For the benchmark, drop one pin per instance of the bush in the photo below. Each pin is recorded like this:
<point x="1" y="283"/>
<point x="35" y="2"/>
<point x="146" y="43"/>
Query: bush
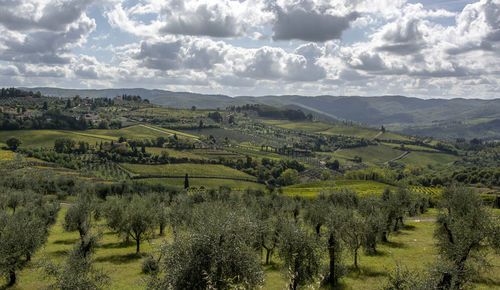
<point x="150" y="265"/>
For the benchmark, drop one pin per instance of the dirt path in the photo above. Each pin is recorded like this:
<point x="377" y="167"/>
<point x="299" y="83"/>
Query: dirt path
<point x="399" y="157"/>
<point x="378" y="134"/>
<point x="154" y="129"/>
<point x="418" y="220"/>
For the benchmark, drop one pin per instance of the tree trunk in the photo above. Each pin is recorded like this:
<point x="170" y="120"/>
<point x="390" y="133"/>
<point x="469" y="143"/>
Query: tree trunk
<point x="268" y="255"/>
<point x="161" y="230"/>
<point x="384" y="237"/>
<point x="318" y="229"/>
<point x="12" y="277"/>
<point x="28" y="256"/>
<point x="138" y="241"/>
<point x="332" y="279"/>
<point x="356" y="259"/>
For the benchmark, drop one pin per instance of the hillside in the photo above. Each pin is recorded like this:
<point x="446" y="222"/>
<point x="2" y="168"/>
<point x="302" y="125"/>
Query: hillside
<point x="439" y="118"/>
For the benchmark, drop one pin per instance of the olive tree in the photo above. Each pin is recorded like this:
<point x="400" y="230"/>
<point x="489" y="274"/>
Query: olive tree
<point x="214" y="251"/>
<point x="301" y="255"/>
<point x="464" y="227"/>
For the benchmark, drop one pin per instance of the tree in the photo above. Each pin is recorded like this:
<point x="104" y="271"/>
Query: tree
<point x="464" y="228"/>
<point x="352" y="228"/>
<point x="300" y="253"/>
<point x="78" y="216"/>
<point x="334" y="246"/>
<point x="289" y="177"/>
<point x="186" y="181"/>
<point x="78" y="272"/>
<point x="139" y="219"/>
<point x="64" y="145"/>
<point x="13" y="143"/>
<point x="215" y="251"/>
<point x="370" y="210"/>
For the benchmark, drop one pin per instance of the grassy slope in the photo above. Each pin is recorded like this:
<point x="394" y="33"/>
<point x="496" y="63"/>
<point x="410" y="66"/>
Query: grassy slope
<point x="310" y="190"/>
<point x="424" y="158"/>
<point x="235" y="185"/>
<point x="191" y="169"/>
<point x="371" y="154"/>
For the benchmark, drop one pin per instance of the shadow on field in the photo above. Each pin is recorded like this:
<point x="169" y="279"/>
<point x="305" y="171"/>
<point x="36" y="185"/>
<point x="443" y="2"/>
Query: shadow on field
<point x="488" y="281"/>
<point x="120" y="259"/>
<point x="393" y="244"/>
<point x="117" y="245"/>
<point x="364" y="272"/>
<point x="66" y="241"/>
<point x="60" y="253"/>
<point x="408" y="227"/>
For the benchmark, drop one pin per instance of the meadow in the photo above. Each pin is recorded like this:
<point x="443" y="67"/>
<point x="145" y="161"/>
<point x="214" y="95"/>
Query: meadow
<point x="193" y="170"/>
<point x="312" y="189"/>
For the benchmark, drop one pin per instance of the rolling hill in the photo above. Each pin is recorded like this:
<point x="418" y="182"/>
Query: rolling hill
<point x="440" y="118"/>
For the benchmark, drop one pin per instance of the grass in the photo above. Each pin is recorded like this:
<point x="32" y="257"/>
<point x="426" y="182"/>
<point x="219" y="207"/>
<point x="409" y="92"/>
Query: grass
<point x="235" y="185"/>
<point x="410" y="146"/>
<point x="300" y="126"/>
<point x="174" y="153"/>
<point x="194" y="170"/>
<point x="370" y="154"/>
<point x="310" y="190"/>
<point x="6" y="155"/>
<point x="114" y="257"/>
<point x="359" y="132"/>
<point x="46" y="138"/>
<point x="424" y="158"/>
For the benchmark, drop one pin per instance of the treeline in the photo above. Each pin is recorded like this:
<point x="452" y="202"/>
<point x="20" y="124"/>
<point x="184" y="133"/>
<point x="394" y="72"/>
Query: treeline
<point x="7" y="93"/>
<point x="273" y="112"/>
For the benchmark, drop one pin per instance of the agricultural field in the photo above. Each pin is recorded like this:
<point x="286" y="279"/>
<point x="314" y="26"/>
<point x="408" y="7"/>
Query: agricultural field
<point x="370" y="154"/>
<point x="359" y="132"/>
<point x="235" y="185"/>
<point x="300" y="126"/>
<point x="424" y="158"/>
<point x="311" y="190"/>
<point x="193" y="170"/>
<point x="46" y="138"/>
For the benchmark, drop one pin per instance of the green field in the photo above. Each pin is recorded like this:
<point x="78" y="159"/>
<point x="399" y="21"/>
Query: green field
<point x="300" y="126"/>
<point x="411" y="147"/>
<point x="6" y="155"/>
<point x="174" y="153"/>
<point x="235" y="185"/>
<point x="194" y="170"/>
<point x="310" y="190"/>
<point x="424" y="158"/>
<point x="414" y="247"/>
<point x="370" y="154"/>
<point x="359" y="132"/>
<point x="46" y="138"/>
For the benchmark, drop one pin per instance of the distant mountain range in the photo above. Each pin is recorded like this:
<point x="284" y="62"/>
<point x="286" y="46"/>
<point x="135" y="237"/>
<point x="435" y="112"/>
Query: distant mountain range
<point x="441" y="118"/>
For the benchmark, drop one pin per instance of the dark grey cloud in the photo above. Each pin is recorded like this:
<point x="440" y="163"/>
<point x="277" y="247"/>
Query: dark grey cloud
<point x="302" y="24"/>
<point x="180" y="54"/>
<point x="202" y="21"/>
<point x="55" y="16"/>
<point x="45" y="46"/>
<point x="403" y="39"/>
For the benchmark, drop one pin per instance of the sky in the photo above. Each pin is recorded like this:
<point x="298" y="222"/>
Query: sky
<point x="417" y="48"/>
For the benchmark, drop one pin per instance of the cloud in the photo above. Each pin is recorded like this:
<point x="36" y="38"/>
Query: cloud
<point x="403" y="37"/>
<point x="214" y="18"/>
<point x="43" y="32"/>
<point x="303" y="22"/>
<point x="184" y="53"/>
